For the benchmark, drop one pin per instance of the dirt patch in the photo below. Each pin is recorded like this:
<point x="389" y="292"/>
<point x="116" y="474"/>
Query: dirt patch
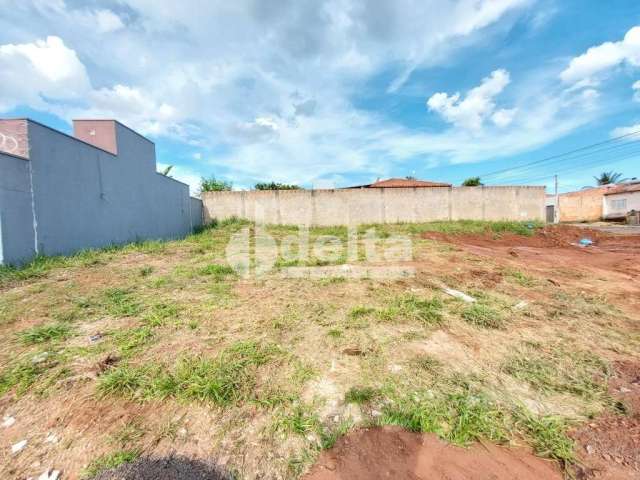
<point x="170" y="468"/>
<point x="391" y="452"/>
<point x="610" y="445"/>
<point x="556" y="245"/>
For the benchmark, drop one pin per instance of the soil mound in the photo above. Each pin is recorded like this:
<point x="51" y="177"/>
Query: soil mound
<point x="169" y="468"/>
<point x="394" y="453"/>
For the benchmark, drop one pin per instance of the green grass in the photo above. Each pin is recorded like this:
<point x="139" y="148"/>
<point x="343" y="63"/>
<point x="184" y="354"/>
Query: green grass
<point x="227" y="379"/>
<point x="409" y="307"/>
<point x="548" y="436"/>
<point x="217" y="271"/>
<point x="484" y="316"/>
<point x="361" y="395"/>
<point x="109" y="461"/>
<point x="160" y="313"/>
<point x="131" y="339"/>
<point x="558" y="369"/>
<point x="301" y="420"/>
<point x="24" y="373"/>
<point x="45" y="333"/>
<point x="521" y="278"/>
<point x="459" y="418"/>
<point x="120" y="302"/>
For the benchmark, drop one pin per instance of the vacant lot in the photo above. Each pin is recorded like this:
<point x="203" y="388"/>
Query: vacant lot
<point x="160" y="349"/>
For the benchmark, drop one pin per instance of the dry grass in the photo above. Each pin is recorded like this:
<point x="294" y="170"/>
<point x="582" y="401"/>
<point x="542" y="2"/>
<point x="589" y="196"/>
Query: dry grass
<point x="161" y="347"/>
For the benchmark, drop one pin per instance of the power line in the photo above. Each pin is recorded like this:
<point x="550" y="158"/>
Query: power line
<point x="561" y="155"/>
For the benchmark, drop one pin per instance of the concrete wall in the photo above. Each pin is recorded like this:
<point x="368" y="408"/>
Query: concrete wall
<point x="70" y="195"/>
<point x="581" y="206"/>
<point x="86" y="197"/>
<point x="377" y="205"/>
<point x="611" y="208"/>
<point x="17" y="242"/>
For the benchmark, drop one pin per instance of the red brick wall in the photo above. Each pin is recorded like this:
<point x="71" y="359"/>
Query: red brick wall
<point x="14" y="137"/>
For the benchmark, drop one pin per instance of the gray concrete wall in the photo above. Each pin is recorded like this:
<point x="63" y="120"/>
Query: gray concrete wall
<point x="17" y="242"/>
<point x="85" y="197"/>
<point x="377" y="205"/>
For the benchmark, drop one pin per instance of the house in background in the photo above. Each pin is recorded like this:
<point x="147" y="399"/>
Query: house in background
<point x="620" y="200"/>
<point x="60" y="194"/>
<point x="606" y="202"/>
<point x="402" y="183"/>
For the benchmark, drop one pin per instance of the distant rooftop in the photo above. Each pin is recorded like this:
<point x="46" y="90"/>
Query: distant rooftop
<point x="624" y="188"/>
<point x="402" y="183"/>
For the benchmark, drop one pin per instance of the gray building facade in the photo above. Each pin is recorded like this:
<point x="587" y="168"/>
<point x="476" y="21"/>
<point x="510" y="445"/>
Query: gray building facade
<point x="60" y="194"/>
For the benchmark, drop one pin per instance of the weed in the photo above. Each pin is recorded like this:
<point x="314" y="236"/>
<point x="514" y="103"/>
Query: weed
<point x="128" y="434"/>
<point x="335" y="333"/>
<point x="426" y="363"/>
<point x="361" y="395"/>
<point x="556" y="369"/>
<point x="45" y="333"/>
<point x="300" y="421"/>
<point x="131" y="339"/>
<point x="227" y="379"/>
<point x="409" y="307"/>
<point x="146" y="271"/>
<point x="160" y="313"/>
<point x="521" y="278"/>
<point x="330" y="435"/>
<point x="120" y="302"/>
<point x="548" y="436"/>
<point x="217" y="271"/>
<point x="109" y="461"/>
<point x="459" y="418"/>
<point x="22" y="376"/>
<point x="483" y="316"/>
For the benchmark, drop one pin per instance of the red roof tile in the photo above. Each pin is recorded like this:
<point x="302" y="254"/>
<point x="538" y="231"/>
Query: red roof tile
<point x="624" y="188"/>
<point x="403" y="183"/>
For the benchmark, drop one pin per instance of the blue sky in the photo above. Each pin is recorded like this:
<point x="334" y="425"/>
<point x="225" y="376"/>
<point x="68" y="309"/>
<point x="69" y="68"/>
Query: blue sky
<point x="329" y="94"/>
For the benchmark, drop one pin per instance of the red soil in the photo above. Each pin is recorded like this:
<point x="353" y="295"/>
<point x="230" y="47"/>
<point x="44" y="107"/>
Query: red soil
<point x="393" y="453"/>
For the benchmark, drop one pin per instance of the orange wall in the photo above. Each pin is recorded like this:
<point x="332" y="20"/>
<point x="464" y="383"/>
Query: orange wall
<point x="582" y="206"/>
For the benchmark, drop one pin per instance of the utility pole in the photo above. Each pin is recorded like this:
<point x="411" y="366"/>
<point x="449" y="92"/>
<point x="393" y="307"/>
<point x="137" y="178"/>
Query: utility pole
<point x="556" y="210"/>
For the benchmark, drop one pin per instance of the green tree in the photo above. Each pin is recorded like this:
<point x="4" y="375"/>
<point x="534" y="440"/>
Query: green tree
<point x="212" y="184"/>
<point x="275" y="186"/>
<point x="167" y="171"/>
<point x="472" y="182"/>
<point x="607" y="178"/>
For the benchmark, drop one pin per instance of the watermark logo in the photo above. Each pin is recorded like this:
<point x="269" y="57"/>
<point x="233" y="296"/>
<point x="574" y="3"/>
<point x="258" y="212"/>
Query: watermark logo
<point x="254" y="252"/>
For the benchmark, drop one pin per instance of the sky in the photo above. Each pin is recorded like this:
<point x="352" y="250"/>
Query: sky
<point x="341" y="92"/>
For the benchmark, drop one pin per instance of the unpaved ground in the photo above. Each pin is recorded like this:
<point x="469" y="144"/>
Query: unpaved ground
<point x="557" y="303"/>
<point x="393" y="453"/>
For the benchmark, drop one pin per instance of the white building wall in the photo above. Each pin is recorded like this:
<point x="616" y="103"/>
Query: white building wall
<point x="619" y="204"/>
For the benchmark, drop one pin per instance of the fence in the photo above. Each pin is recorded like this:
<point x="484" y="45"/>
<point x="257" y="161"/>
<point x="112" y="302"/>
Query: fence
<point x="377" y="205"/>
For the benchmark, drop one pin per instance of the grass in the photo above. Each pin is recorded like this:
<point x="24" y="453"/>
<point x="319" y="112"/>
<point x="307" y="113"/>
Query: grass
<point x="120" y="302"/>
<point x="409" y="307"/>
<point x="45" y="333"/>
<point x="483" y="316"/>
<point x="548" y="436"/>
<point x="224" y="380"/>
<point x="461" y="227"/>
<point x="361" y="395"/>
<point x="459" y="418"/>
<point x="109" y="461"/>
<point x="556" y="368"/>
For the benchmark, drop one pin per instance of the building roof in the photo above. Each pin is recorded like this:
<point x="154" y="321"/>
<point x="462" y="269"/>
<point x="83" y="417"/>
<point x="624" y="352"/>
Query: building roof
<point x="402" y="183"/>
<point x="624" y="188"/>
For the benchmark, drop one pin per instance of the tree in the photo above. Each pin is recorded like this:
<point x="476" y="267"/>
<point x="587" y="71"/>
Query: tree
<point x="275" y="186"/>
<point x="166" y="171"/>
<point x="472" y="182"/>
<point x="607" y="178"/>
<point x="212" y="184"/>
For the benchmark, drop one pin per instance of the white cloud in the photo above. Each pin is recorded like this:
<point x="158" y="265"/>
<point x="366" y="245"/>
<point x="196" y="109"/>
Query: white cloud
<point x="272" y="98"/>
<point x="636" y="90"/>
<point x="131" y="106"/>
<point x="599" y="59"/>
<point x="46" y="67"/>
<point x="504" y="117"/>
<point x="478" y="104"/>
<point x="622" y="131"/>
<point x="107" y="21"/>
